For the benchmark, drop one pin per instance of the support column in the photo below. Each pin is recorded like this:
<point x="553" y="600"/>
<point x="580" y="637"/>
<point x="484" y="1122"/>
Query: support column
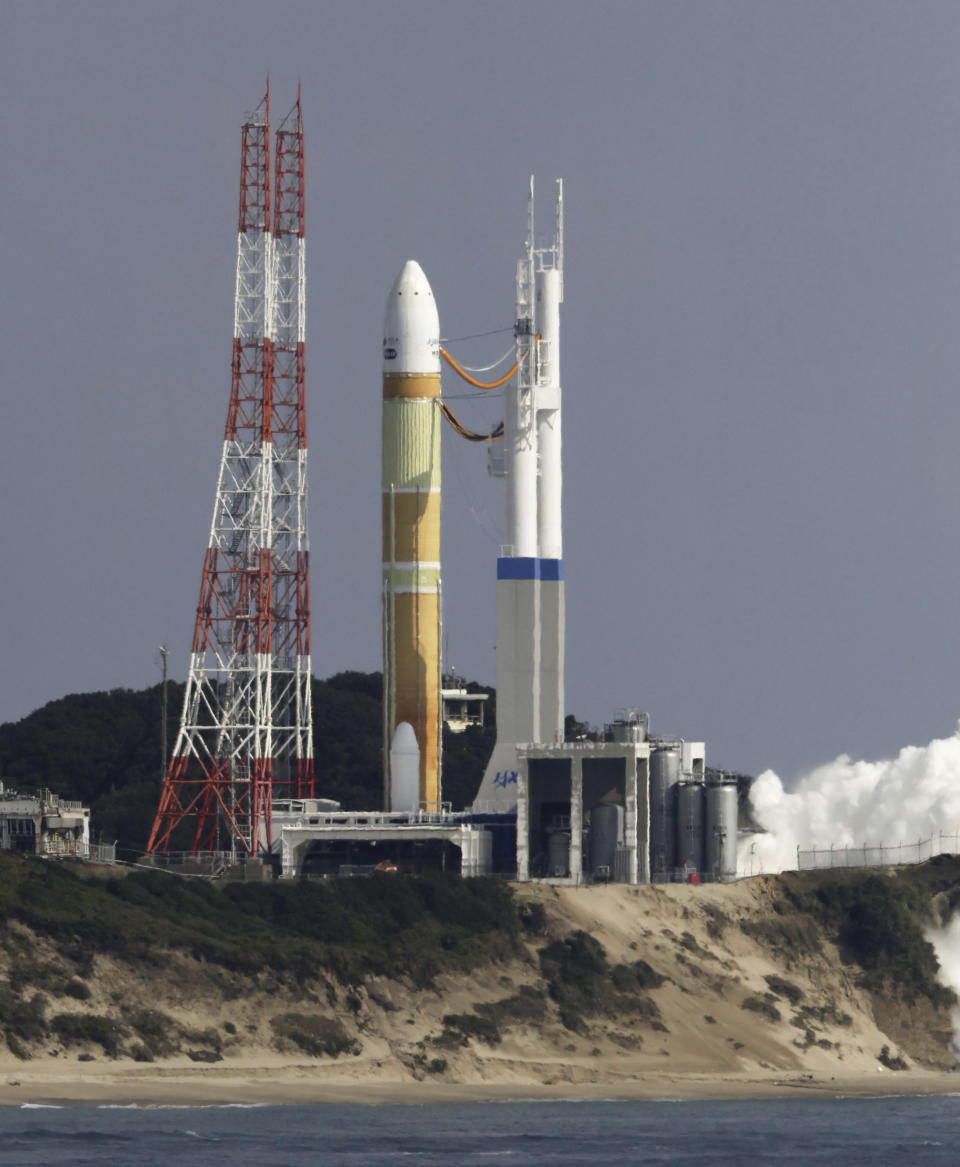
<point x="643" y="818"/>
<point x="289" y="854"/>
<point x="576" y="819"/>
<point x="630" y="826"/>
<point x="523" y="820"/>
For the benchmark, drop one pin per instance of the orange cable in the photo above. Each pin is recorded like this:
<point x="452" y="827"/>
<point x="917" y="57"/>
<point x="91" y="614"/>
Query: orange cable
<point x="472" y="380"/>
<point x="495" y="436"/>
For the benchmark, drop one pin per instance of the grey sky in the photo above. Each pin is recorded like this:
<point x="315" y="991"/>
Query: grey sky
<point x="760" y="337"/>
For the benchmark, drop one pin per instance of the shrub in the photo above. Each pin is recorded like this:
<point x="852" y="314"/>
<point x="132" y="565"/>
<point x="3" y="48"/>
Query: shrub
<point x="583" y="984"/>
<point x="891" y="1061"/>
<point x="629" y="978"/>
<point x="15" y="1047"/>
<point x="83" y="1029"/>
<point x="159" y="1033"/>
<point x="827" y="1014"/>
<point x="797" y="936"/>
<point x="571" y="1019"/>
<point x="533" y="917"/>
<point x="26" y="1020"/>
<point x="528" y="1004"/>
<point x="316" y="1036"/>
<point x="689" y="942"/>
<point x="35" y="975"/>
<point x="784" y="988"/>
<point x="762" y="1006"/>
<point x="472" y="1025"/>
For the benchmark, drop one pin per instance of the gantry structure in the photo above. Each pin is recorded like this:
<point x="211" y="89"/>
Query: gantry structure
<point x="246" y="735"/>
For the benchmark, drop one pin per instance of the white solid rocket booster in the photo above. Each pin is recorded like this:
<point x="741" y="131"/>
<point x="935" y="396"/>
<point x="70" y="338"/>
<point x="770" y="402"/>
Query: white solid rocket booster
<point x="530" y="591"/>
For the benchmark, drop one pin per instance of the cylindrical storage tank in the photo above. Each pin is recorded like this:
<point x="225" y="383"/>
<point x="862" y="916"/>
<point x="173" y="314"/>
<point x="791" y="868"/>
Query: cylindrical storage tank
<point x="690" y="826"/>
<point x="606" y="834"/>
<point x="404" y="769"/>
<point x="721" y="840"/>
<point x="558" y="855"/>
<point x="630" y="728"/>
<point x="664" y="776"/>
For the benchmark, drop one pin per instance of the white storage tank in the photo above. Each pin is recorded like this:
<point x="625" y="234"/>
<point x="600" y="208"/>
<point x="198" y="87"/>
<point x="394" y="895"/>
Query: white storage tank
<point x="690" y="826"/>
<point x="721" y="840"/>
<point x="606" y="835"/>
<point x="558" y="855"/>
<point x="629" y="725"/>
<point x="664" y="776"/>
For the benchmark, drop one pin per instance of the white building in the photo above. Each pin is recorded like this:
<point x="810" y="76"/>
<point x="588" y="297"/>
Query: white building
<point x="43" y="824"/>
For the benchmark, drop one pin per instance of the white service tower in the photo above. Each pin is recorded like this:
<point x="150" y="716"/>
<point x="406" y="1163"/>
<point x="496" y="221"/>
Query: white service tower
<point x="530" y="605"/>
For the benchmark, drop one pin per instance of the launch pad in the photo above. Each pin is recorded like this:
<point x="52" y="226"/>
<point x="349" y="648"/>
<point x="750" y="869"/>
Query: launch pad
<point x="240" y="784"/>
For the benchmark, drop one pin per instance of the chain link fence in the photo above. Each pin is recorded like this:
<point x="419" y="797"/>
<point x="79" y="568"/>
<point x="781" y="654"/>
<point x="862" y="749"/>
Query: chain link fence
<point x="880" y="855"/>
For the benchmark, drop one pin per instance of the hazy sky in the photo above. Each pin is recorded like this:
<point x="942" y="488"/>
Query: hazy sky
<point x="759" y="351"/>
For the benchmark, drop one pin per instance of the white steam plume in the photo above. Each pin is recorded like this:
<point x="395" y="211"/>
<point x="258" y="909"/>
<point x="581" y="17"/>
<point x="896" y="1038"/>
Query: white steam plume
<point x="849" y="804"/>
<point x="946" y="944"/>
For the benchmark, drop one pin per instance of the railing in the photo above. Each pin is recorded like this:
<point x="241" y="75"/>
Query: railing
<point x="488" y="806"/>
<point x="55" y="845"/>
<point x="683" y="874"/>
<point x="206" y="863"/>
<point x="303" y="820"/>
<point x="879" y="855"/>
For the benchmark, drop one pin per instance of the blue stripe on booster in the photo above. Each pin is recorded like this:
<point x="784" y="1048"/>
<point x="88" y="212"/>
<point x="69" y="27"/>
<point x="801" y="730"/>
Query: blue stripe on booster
<point x="527" y="568"/>
<point x="518" y="568"/>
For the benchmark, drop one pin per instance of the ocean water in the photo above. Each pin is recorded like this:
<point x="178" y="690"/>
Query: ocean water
<point x="845" y="1132"/>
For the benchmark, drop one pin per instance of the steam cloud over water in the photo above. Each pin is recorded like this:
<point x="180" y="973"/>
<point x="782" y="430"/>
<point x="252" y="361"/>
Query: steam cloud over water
<point x="849" y="804"/>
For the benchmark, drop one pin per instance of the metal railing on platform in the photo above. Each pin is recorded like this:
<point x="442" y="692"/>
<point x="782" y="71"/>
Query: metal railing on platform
<point x="879" y="855"/>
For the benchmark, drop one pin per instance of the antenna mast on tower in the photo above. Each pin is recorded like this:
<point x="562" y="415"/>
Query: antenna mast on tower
<point x="246" y="733"/>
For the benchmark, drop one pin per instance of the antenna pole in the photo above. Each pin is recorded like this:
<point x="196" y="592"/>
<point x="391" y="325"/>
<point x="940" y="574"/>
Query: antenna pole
<point x="163" y="723"/>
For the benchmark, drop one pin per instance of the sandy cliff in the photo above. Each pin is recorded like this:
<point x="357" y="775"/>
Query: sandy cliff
<point x="673" y="991"/>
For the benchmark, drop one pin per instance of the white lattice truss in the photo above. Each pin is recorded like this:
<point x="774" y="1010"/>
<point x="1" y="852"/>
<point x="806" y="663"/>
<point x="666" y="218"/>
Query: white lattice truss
<point x="246" y="728"/>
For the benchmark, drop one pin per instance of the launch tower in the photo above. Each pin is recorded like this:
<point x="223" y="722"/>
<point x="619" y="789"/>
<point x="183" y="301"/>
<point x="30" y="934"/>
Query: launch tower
<point x="245" y="733"/>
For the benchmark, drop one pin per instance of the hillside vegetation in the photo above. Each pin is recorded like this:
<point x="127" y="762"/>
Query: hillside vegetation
<point x="104" y="750"/>
<point x="466" y="979"/>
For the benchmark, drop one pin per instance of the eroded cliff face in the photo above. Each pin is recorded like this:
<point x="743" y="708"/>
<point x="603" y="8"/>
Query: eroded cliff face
<point x="595" y="985"/>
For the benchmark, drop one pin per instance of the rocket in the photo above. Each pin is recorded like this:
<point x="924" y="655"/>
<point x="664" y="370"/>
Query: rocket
<point x="530" y="587"/>
<point x="411" y="534"/>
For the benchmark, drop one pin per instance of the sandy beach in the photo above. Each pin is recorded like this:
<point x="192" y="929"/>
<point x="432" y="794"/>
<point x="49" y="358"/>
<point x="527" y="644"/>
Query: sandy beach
<point x="178" y="1085"/>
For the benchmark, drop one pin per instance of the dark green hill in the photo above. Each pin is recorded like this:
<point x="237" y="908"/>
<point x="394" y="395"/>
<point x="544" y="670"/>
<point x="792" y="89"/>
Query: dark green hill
<point x="104" y="749"/>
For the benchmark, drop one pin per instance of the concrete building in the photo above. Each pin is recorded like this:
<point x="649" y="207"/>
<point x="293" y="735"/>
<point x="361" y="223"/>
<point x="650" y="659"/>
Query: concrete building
<point x="461" y="709"/>
<point x="583" y="808"/>
<point x="315" y="838"/>
<point x="43" y="824"/>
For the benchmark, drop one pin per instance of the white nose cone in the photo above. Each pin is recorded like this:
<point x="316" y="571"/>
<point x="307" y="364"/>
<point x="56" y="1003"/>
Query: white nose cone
<point x="411" y="329"/>
<point x="404" y="769"/>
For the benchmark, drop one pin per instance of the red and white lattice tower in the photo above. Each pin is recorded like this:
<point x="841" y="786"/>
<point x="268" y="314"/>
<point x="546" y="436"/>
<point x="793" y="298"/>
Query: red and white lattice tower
<point x="246" y="734"/>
